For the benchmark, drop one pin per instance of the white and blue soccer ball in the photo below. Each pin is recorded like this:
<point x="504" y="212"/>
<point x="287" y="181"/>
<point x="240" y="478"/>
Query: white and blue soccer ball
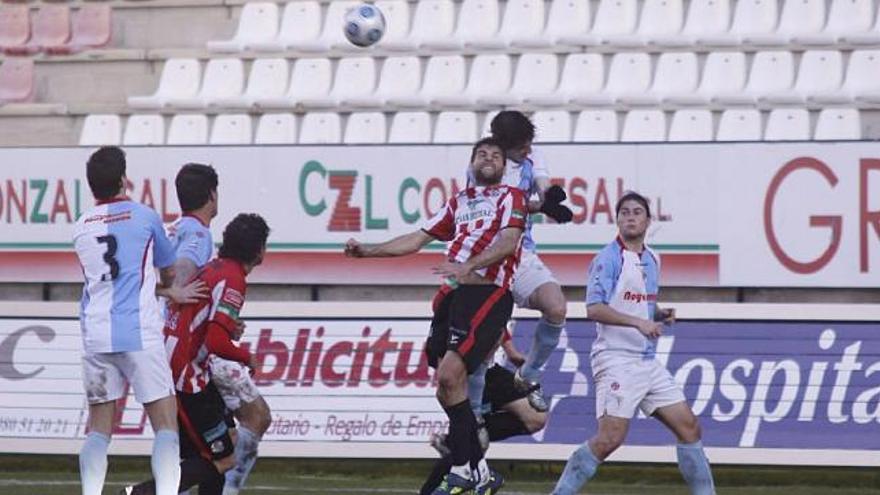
<point x="364" y="25"/>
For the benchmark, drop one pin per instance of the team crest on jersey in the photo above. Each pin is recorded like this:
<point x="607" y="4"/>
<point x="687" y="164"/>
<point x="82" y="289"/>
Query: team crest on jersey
<point x="217" y="446"/>
<point x="233" y="297"/>
<point x="615" y="386"/>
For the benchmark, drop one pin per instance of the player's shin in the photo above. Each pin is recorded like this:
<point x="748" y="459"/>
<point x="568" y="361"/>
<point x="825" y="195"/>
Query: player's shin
<point x="245" y="458"/>
<point x="579" y="469"/>
<point x="695" y="469"/>
<point x="93" y="463"/>
<point x="544" y="343"/>
<point x="476" y="386"/>
<point x="165" y="462"/>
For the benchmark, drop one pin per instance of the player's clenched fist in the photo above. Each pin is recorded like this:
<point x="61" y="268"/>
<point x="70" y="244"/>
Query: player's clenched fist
<point x="354" y="249"/>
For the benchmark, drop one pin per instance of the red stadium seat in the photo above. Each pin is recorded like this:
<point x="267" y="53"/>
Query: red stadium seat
<point x="16" y="80"/>
<point x="15" y="28"/>
<point x="51" y="27"/>
<point x="91" y="29"/>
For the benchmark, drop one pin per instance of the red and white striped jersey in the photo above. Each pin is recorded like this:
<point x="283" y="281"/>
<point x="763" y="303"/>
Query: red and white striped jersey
<point x="193" y="331"/>
<point x="471" y="221"/>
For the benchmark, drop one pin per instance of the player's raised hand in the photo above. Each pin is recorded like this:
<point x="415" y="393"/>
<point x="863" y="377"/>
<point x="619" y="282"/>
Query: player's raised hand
<point x="452" y="269"/>
<point x="354" y="249"/>
<point x="187" y="294"/>
<point x="651" y="329"/>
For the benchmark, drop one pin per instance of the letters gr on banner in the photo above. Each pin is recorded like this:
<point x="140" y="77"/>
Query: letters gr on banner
<point x="753" y="384"/>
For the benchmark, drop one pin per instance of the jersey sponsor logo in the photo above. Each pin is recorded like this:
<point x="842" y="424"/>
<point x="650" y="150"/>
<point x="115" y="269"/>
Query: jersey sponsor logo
<point x="638" y="297"/>
<point x="233" y="297"/>
<point x="469" y="216"/>
<point x="110" y="218"/>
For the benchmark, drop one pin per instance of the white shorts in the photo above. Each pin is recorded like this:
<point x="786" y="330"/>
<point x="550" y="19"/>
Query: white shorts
<point x="106" y="376"/>
<point x="233" y="381"/>
<point x="624" y="384"/>
<point x="531" y="274"/>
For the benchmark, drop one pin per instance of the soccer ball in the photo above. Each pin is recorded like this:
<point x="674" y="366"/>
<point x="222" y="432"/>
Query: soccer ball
<point x="364" y="25"/>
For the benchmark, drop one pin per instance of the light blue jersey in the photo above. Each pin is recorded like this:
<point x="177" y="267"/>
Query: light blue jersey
<point x="627" y="282"/>
<point x="191" y="240"/>
<point x="118" y="243"/>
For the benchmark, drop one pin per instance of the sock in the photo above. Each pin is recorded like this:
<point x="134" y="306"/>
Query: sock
<point x="165" y="462"/>
<point x="193" y="471"/>
<point x="579" y="469"/>
<point x="476" y="386"/>
<point x="93" y="463"/>
<point x="459" y="440"/>
<point x="545" y="342"/>
<point x="504" y="425"/>
<point x="694" y="467"/>
<point x="245" y="458"/>
<point x="441" y="467"/>
<point x="213" y="485"/>
<point x="483" y="473"/>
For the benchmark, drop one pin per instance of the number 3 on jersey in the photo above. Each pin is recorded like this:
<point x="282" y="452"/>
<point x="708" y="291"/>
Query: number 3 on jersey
<point x="109" y="256"/>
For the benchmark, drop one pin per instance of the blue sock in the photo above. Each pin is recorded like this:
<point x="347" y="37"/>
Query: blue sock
<point x="694" y="467"/>
<point x="93" y="463"/>
<point x="245" y="458"/>
<point x="476" y="386"/>
<point x="165" y="461"/>
<point x="580" y="468"/>
<point x="545" y="342"/>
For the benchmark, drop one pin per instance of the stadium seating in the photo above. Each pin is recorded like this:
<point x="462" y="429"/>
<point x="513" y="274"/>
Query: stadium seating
<point x="659" y="20"/>
<point x="331" y="36"/>
<point x="860" y="82"/>
<point x="16" y="80"/>
<point x="410" y="127"/>
<point x="724" y="74"/>
<point x="188" y="129"/>
<point x="258" y="24"/>
<point x="844" y="17"/>
<point x="523" y="22"/>
<point x="706" y="19"/>
<point x="365" y="128"/>
<point x="267" y="80"/>
<point x="456" y="127"/>
<point x="838" y="124"/>
<point x="644" y="126"/>
<point x="401" y="76"/>
<point x="771" y="72"/>
<point x="871" y="36"/>
<point x="144" y="130"/>
<point x="310" y="78"/>
<point x="50" y="26"/>
<point x="396" y="37"/>
<point x="91" y="28"/>
<point x="799" y="18"/>
<point x="433" y="22"/>
<point x="596" y="126"/>
<point x="567" y="24"/>
<point x="15" y="27"/>
<point x="180" y="80"/>
<point x="552" y="126"/>
<point x="740" y="125"/>
<point x="788" y="124"/>
<point x="231" y="129"/>
<point x="820" y="72"/>
<point x="628" y="77"/>
<point x="223" y="79"/>
<point x="444" y="81"/>
<point x="677" y="75"/>
<point x="489" y="77"/>
<point x="355" y="78"/>
<point x="583" y="74"/>
<point x="536" y="76"/>
<point x="615" y="21"/>
<point x="276" y="128"/>
<point x="477" y="27"/>
<point x="301" y="21"/>
<point x="101" y="130"/>
<point x="321" y="128"/>
<point x="691" y="125"/>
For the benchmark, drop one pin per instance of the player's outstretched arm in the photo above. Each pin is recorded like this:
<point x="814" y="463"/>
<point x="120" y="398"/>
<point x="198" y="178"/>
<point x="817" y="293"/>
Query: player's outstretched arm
<point x="399" y="246"/>
<point x="607" y="315"/>
<point x="508" y="241"/>
<point x="173" y="286"/>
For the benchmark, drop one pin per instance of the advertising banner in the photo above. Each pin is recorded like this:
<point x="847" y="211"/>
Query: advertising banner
<point x="775" y="386"/>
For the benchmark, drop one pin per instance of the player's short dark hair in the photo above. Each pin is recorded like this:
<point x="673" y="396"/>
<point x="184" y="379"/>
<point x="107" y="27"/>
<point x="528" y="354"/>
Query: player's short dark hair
<point x="512" y="129"/>
<point x="633" y="196"/>
<point x="244" y="238"/>
<point x="195" y="182"/>
<point x="488" y="141"/>
<point x="105" y="170"/>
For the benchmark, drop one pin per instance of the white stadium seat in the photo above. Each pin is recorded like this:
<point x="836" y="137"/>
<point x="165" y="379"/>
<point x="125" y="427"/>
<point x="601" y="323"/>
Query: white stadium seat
<point x="629" y="76"/>
<point x="596" y="126"/>
<point x="455" y="127"/>
<point x="267" y="80"/>
<point x="355" y="78"/>
<point x="750" y="18"/>
<point x="101" y="130"/>
<point x="410" y="127"/>
<point x="188" y="129"/>
<point x="567" y="24"/>
<point x="332" y="35"/>
<point x="231" y="129"/>
<point x="552" y="126"/>
<point x="582" y="75"/>
<point x="788" y="124"/>
<point x="401" y="76"/>
<point x="536" y="74"/>
<point x="705" y="18"/>
<point x="258" y="23"/>
<point x="310" y="78"/>
<point x="301" y="21"/>
<point x="223" y="79"/>
<point x="861" y="81"/>
<point x="845" y="17"/>
<point x="614" y="20"/>
<point x="691" y="125"/>
<point x="487" y="123"/>
<point x="365" y="128"/>
<point x="444" y="77"/>
<point x="144" y="130"/>
<point x="869" y="37"/>
<point x="677" y="74"/>
<point x="397" y="35"/>
<point x="799" y="18"/>
<point x="321" y="128"/>
<point x="723" y="74"/>
<point x="644" y="126"/>
<point x="523" y="20"/>
<point x="490" y="75"/>
<point x="433" y="22"/>
<point x="772" y="72"/>
<point x="820" y="72"/>
<point x="477" y="21"/>
<point x="659" y="19"/>
<point x="180" y="78"/>
<point x="838" y="124"/>
<point x="739" y="125"/>
<point x="276" y="128"/>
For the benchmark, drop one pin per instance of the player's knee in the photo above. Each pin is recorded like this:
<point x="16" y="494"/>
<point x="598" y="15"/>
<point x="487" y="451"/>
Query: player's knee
<point x="604" y="445"/>
<point x="691" y="431"/>
<point x="224" y="464"/>
<point x="555" y="313"/>
<point x="264" y="417"/>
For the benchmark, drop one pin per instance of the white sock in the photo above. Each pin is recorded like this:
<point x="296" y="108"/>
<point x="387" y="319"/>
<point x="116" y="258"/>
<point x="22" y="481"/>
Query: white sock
<point x="166" y="462"/>
<point x="93" y="463"/>
<point x="245" y="458"/>
<point x="483" y="473"/>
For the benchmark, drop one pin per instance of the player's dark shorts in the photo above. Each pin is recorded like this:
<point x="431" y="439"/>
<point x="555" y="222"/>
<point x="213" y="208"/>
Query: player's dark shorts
<point x="468" y="320"/>
<point x="501" y="389"/>
<point x="204" y="425"/>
